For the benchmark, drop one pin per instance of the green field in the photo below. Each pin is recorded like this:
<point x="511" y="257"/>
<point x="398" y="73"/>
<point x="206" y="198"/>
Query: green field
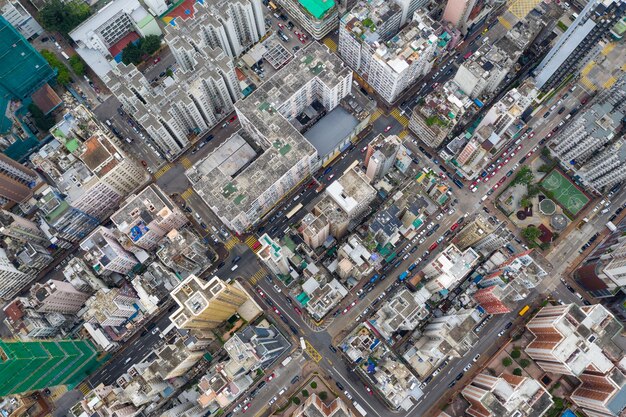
<point x="564" y="192"/>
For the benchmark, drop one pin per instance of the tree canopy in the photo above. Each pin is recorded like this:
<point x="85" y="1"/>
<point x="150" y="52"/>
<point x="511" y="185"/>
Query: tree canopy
<point x="135" y="52"/>
<point x="77" y="64"/>
<point x="531" y="233"/>
<point x="63" y="73"/>
<point x="59" y="16"/>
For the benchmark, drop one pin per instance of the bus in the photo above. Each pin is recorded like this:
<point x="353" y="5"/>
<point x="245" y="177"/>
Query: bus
<point x="524" y="310"/>
<point x="294" y="211"/>
<point x="272" y="6"/>
<point x="352" y="165"/>
<point x="360" y="409"/>
<point x="467" y="55"/>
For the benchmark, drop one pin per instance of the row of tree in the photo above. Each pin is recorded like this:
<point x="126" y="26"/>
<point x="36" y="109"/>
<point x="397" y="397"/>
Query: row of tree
<point x="137" y="51"/>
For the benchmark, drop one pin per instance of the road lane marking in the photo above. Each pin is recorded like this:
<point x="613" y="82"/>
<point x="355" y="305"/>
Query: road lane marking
<point x="356" y="392"/>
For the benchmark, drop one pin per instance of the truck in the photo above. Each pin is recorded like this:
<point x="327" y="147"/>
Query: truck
<point x="360" y="409"/>
<point x="611" y="226"/>
<point x="403" y="276"/>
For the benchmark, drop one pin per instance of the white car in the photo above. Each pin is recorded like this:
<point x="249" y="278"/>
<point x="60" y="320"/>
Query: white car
<point x="430" y="226"/>
<point x="467" y="367"/>
<point x="347" y="394"/>
<point x="277" y="288"/>
<point x="422" y="240"/>
<point x="476" y="358"/>
<point x="439" y="216"/>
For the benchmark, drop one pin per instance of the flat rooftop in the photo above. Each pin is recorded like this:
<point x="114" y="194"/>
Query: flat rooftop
<point x="317" y="8"/>
<point x="268" y="109"/>
<point x="331" y="130"/>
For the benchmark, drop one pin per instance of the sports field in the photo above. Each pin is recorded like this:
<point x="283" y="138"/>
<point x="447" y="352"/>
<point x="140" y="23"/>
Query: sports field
<point x="564" y="192"/>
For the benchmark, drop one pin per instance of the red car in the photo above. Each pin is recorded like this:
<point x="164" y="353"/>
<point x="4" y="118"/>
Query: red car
<point x="270" y="377"/>
<point x="531" y="134"/>
<point x="454" y="227"/>
<point x="302" y="40"/>
<point x="502" y="180"/>
<point x="261" y="293"/>
<point x="369" y="390"/>
<point x="277" y="311"/>
<point x="519" y="147"/>
<point x="388" y="128"/>
<point x="280" y="25"/>
<point x="232" y="119"/>
<point x="298" y="310"/>
<point x="157" y="60"/>
<point x="144" y="163"/>
<point x="433" y="247"/>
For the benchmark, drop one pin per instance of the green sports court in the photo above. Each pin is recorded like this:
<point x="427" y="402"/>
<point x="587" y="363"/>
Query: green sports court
<point x="564" y="192"/>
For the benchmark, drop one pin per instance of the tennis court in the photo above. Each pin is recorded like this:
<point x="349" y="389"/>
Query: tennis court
<point x="564" y="192"/>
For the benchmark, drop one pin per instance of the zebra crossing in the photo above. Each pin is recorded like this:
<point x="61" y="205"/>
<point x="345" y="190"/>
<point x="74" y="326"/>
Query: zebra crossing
<point x="257" y="276"/>
<point x="84" y="388"/>
<point x="162" y="170"/>
<point x="403" y="134"/>
<point x="376" y="115"/>
<point x="187" y="193"/>
<point x="186" y="163"/>
<point x="402" y="119"/>
<point x="231" y="243"/>
<point x="331" y="44"/>
<point x="251" y="241"/>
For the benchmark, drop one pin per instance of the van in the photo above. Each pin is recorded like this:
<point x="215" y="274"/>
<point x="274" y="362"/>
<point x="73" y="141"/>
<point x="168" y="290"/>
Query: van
<point x="234" y="267"/>
<point x="296" y="198"/>
<point x="484" y="198"/>
<point x="282" y="391"/>
<point x="129" y="140"/>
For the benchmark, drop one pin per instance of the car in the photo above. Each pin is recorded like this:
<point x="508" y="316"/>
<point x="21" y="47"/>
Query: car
<point x="369" y="390"/>
<point x="476" y="358"/>
<point x="347" y="394"/>
<point x="508" y="325"/>
<point x="502" y="180"/>
<point x="501" y="333"/>
<point x="156" y="60"/>
<point x="339" y="385"/>
<point x="245" y="408"/>
<point x="144" y="163"/>
<point x="261" y="293"/>
<point x="331" y="176"/>
<point x="280" y="25"/>
<point x="345" y="310"/>
<point x="388" y="128"/>
<point x="519" y="147"/>
<point x="451" y="384"/>
<point x="297" y="310"/>
<point x="232" y="119"/>
<point x="270" y="377"/>
<point x="468" y="367"/>
<point x="459" y="376"/>
<point x="277" y="311"/>
<point x="272" y="401"/>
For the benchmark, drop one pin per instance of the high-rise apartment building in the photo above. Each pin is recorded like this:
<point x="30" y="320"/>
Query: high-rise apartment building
<point x="16" y="182"/>
<point x="57" y="297"/>
<point x="601" y="395"/>
<point x="317" y="17"/>
<point x="581" y="42"/>
<point x="105" y="254"/>
<point x="448" y="268"/>
<point x="112" y="307"/>
<point x="21" y="229"/>
<point x="473" y="232"/>
<point x="273" y="254"/>
<point x="315" y="230"/>
<point x="241" y="183"/>
<point x="148" y="216"/>
<point x="389" y="60"/>
<point x="506" y="395"/>
<point x="204" y="305"/>
<point x="171" y="113"/>
<point x="30" y="366"/>
<point x="20" y="18"/>
<point x="381" y="156"/>
<point x="12" y="280"/>
<point x="457" y="13"/>
<point x="101" y="38"/>
<point x="351" y="192"/>
<point x="569" y="339"/>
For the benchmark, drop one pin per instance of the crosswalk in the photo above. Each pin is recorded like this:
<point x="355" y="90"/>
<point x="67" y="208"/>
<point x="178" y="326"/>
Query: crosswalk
<point x="310" y="350"/>
<point x="331" y="44"/>
<point x="402" y="119"/>
<point x="162" y="170"/>
<point x="186" y="163"/>
<point x="251" y="241"/>
<point x="187" y="193"/>
<point x="84" y="388"/>
<point x="403" y="134"/>
<point x="257" y="276"/>
<point x="376" y="115"/>
<point x="231" y="243"/>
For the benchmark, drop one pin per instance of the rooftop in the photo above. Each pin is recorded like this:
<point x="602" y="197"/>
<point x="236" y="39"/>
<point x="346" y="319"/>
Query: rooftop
<point x="368" y="20"/>
<point x="317" y="8"/>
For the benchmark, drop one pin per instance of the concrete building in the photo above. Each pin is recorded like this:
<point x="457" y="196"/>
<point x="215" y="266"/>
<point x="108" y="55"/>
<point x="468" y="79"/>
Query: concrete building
<point x="314" y="406"/>
<point x="205" y="305"/>
<point x="273" y="255"/>
<point x="351" y="192"/>
<point x="148" y="216"/>
<point x="448" y="268"/>
<point x="457" y="13"/>
<point x="601" y="395"/>
<point x="241" y="183"/>
<point x="569" y="339"/>
<point x="104" y="253"/>
<point x="338" y="220"/>
<point x="380" y="156"/>
<point x="473" y="232"/>
<point x="314" y="229"/>
<point x="16" y="182"/>
<point x="403" y="311"/>
<point x="322" y="296"/>
<point x="255" y="347"/>
<point x="12" y="280"/>
<point x="21" y="229"/>
<point x="441" y="111"/>
<point x="185" y="253"/>
<point x="232" y="26"/>
<point x="388" y="59"/>
<point x="507" y="280"/>
<point x="101" y="38"/>
<point x="57" y="297"/>
<point x="580" y="43"/>
<point x="506" y="395"/>
<point x="90" y="171"/>
<point x="317" y="17"/>
<point x="171" y="114"/>
<point x="111" y="307"/>
<point x="20" y="18"/>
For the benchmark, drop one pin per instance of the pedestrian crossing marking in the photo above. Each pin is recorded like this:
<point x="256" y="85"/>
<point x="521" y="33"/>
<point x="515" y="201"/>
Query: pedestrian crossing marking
<point x="402" y="119"/>
<point x="187" y="193"/>
<point x="232" y="242"/>
<point x="162" y="170"/>
<point x="251" y="241"/>
<point x="403" y="134"/>
<point x="331" y="44"/>
<point x="186" y="163"/>
<point x="376" y="115"/>
<point x="257" y="276"/>
<point x="310" y="350"/>
<point x="84" y="388"/>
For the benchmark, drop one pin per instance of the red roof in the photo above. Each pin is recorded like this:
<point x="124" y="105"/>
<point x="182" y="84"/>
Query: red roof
<point x="546" y="234"/>
<point x="117" y="47"/>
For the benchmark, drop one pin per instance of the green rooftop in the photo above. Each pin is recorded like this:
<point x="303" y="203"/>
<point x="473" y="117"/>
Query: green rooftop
<point x="317" y="8"/>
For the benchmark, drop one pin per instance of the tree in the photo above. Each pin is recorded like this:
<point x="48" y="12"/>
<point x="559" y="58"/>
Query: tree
<point x="59" y="16"/>
<point x="517" y="371"/>
<point x="323" y="395"/>
<point x="131" y="54"/>
<point x="169" y="72"/>
<point x="524" y="363"/>
<point x="305" y="393"/>
<point x="63" y="74"/>
<point x="531" y="233"/>
<point x="507" y="361"/>
<point x="526" y="202"/>
<point x="524" y="176"/>
<point x="77" y="64"/>
<point x="295" y="400"/>
<point x="516" y="354"/>
<point x="150" y="44"/>
<point x="313" y="384"/>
